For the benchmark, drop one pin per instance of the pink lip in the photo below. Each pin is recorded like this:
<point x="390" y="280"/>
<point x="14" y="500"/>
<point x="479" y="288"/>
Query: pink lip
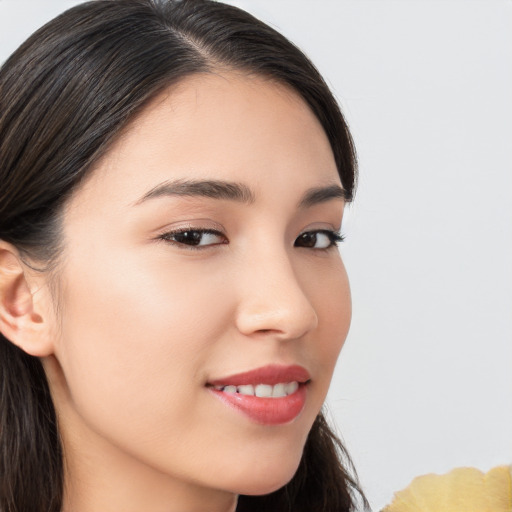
<point x="266" y="411"/>
<point x="271" y="374"/>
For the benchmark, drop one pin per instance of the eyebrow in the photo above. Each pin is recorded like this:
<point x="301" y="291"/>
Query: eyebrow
<point x="214" y="189"/>
<point x="320" y="195"/>
<point x="233" y="191"/>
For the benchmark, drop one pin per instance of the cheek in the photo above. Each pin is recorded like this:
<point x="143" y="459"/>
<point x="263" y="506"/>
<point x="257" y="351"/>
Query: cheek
<point x="330" y="293"/>
<point x="134" y="339"/>
<point x="137" y="335"/>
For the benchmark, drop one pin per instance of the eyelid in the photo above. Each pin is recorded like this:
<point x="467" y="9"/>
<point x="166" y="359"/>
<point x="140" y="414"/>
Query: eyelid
<point x="335" y="237"/>
<point x="168" y="235"/>
<point x="336" y="234"/>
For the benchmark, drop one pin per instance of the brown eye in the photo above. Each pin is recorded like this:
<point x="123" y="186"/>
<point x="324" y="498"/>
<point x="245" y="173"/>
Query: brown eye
<point x="195" y="237"/>
<point x="188" y="237"/>
<point x="322" y="239"/>
<point x="306" y="240"/>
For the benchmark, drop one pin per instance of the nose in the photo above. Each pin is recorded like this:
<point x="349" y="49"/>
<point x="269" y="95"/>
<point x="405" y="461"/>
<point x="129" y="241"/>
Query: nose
<point x="272" y="300"/>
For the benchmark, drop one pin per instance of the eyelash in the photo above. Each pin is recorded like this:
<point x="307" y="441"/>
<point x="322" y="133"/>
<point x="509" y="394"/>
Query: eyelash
<point x="169" y="237"/>
<point x="334" y="238"/>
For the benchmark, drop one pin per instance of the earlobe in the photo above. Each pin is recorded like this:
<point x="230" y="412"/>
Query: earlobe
<point x="21" y="322"/>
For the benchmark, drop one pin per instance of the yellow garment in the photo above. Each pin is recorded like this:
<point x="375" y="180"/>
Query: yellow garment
<point x="461" y="490"/>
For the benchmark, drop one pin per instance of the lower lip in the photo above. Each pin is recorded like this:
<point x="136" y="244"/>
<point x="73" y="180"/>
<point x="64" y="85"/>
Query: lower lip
<point x="266" y="411"/>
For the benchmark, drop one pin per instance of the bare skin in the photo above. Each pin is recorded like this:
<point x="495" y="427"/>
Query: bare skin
<point x="145" y="319"/>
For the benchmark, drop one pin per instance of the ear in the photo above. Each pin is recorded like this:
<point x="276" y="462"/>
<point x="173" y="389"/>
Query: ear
<point x="25" y="317"/>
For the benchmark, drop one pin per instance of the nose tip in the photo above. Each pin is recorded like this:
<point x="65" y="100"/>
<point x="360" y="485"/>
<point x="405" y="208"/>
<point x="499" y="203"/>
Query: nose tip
<point x="277" y="306"/>
<point x="283" y="322"/>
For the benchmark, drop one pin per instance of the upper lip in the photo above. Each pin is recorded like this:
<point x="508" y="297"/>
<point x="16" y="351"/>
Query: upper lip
<point x="271" y="374"/>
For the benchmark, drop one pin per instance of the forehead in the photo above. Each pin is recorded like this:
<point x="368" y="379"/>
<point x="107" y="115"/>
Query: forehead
<point x="219" y="126"/>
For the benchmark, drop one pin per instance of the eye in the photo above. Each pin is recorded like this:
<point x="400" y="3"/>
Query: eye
<point x="319" y="239"/>
<point x="195" y="237"/>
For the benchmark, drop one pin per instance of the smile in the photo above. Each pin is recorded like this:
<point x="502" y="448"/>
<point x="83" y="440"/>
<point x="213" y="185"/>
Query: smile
<point x="262" y="390"/>
<point x="271" y="395"/>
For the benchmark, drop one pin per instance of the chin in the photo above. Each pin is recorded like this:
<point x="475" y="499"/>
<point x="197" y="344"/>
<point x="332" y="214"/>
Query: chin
<point x="265" y="480"/>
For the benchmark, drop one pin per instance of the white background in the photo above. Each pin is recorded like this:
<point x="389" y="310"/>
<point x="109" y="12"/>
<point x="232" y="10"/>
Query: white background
<point x="424" y="382"/>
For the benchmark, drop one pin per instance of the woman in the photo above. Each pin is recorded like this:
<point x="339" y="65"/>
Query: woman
<point x="173" y="182"/>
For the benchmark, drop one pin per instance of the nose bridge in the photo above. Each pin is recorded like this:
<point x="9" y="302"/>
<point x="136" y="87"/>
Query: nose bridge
<point x="272" y="299"/>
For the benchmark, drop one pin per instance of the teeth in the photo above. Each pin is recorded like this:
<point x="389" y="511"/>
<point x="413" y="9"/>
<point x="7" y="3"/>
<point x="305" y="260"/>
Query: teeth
<point x="291" y="387"/>
<point x="246" y="390"/>
<point x="279" y="391"/>
<point x="262" y="390"/>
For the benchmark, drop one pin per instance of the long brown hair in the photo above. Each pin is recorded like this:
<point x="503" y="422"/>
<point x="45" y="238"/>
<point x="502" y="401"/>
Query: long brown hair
<point x="65" y="95"/>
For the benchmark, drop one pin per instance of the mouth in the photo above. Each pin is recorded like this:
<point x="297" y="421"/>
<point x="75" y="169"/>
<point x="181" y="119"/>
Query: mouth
<point x="271" y="395"/>
<point x="279" y="390"/>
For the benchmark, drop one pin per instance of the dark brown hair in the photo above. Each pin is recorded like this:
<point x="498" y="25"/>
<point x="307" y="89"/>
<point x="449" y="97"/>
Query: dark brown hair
<point x="65" y="95"/>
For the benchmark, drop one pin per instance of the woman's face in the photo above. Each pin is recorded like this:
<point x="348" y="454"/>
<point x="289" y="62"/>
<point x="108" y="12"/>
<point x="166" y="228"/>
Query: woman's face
<point x="198" y="257"/>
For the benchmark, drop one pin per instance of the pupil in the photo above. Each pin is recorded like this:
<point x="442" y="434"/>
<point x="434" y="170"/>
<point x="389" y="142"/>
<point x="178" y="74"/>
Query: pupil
<point x="189" y="237"/>
<point x="309" y="239"/>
